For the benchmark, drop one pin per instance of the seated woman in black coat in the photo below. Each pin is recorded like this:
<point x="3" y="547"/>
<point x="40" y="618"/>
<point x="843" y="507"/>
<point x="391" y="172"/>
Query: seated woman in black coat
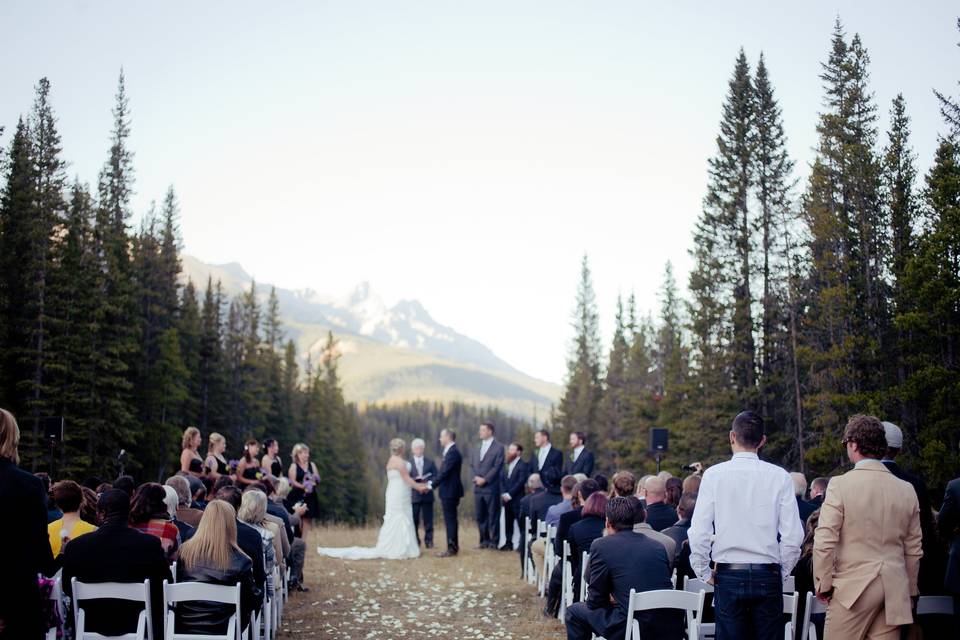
<point x="212" y="556"/>
<point x="583" y="533"/>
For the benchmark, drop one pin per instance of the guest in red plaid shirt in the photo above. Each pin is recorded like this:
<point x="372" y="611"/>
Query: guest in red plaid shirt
<point x="149" y="514"/>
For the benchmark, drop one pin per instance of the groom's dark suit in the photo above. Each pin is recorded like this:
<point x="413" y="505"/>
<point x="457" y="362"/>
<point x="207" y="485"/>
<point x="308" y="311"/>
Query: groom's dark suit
<point x="489" y="466"/>
<point x="423" y="502"/>
<point x="450" y="489"/>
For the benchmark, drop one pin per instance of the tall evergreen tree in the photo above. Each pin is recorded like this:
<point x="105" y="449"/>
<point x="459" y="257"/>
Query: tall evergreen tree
<point x="581" y="397"/>
<point x="950" y="107"/>
<point x="608" y="437"/>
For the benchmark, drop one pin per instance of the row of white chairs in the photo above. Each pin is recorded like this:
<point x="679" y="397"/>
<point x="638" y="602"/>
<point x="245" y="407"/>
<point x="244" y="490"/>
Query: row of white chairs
<point x="263" y="624"/>
<point x="690" y="599"/>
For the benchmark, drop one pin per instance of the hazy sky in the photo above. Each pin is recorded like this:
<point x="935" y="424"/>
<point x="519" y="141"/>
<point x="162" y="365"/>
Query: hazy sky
<point x="462" y="153"/>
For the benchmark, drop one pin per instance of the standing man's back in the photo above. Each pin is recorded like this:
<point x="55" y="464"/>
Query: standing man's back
<point x="867" y="547"/>
<point x="750" y="504"/>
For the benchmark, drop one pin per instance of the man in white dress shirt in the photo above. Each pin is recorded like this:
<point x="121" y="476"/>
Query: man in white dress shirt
<point x="750" y="507"/>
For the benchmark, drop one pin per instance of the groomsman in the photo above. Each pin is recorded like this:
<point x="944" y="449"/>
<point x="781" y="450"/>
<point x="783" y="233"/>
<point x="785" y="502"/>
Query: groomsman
<point x="515" y="475"/>
<point x="450" y="488"/>
<point x="581" y="460"/>
<point x="486" y="465"/>
<point x="423" y="470"/>
<point x="547" y="462"/>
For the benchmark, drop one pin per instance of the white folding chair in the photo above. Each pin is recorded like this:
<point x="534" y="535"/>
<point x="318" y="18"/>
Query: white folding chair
<point x="790" y="602"/>
<point x="132" y="592"/>
<point x="526" y="548"/>
<point x="549" y="559"/>
<point x="696" y="585"/>
<point x="584" y="575"/>
<point x="687" y="601"/>
<point x="189" y="591"/>
<point x="566" y="569"/>
<point x="173" y="570"/>
<point x="789" y="585"/>
<point x="811" y="607"/>
<point x="935" y="605"/>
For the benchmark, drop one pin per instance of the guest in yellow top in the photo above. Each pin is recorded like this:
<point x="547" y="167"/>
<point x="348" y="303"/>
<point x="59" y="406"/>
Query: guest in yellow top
<point x="67" y="495"/>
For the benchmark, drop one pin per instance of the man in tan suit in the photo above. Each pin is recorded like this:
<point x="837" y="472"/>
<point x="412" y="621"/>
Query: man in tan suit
<point x="866" y="549"/>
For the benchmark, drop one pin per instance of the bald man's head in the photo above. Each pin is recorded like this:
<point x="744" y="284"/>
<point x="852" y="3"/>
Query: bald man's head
<point x="656" y="490"/>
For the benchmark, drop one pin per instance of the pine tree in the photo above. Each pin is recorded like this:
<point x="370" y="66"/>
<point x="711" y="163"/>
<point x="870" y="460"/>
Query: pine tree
<point x="581" y="397"/>
<point x="189" y="327"/>
<point x="212" y="369"/>
<point x="950" y="107"/>
<point x="609" y="437"/>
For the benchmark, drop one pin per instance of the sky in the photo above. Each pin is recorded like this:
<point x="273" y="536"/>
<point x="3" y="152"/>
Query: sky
<point x="465" y="154"/>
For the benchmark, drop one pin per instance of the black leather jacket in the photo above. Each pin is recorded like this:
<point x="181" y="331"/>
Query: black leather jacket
<point x="211" y="618"/>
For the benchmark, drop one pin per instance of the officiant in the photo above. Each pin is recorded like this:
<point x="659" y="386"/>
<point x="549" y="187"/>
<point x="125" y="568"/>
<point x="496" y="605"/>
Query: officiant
<point x="422" y="470"/>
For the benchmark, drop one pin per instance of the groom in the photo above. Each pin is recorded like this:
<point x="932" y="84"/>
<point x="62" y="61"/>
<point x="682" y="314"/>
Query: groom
<point x="450" y="488"/>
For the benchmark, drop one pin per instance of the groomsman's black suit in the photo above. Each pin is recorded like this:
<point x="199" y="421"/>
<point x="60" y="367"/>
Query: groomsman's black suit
<point x="618" y="563"/>
<point x="450" y="489"/>
<point x="583" y="464"/>
<point x="551" y="473"/>
<point x="487" y="496"/>
<point x="513" y="485"/>
<point x="423" y="502"/>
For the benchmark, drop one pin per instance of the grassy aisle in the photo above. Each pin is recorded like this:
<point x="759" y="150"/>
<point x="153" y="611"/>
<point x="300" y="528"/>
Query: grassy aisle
<point x="478" y="594"/>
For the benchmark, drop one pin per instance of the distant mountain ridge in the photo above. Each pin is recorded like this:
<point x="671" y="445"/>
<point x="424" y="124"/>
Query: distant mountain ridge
<point x="391" y="354"/>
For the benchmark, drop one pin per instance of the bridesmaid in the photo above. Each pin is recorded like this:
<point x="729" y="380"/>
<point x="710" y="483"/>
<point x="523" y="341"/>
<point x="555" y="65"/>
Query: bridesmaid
<point x="303" y="478"/>
<point x="216" y="465"/>
<point x="249" y="466"/>
<point x="271" y="459"/>
<point x="190" y="444"/>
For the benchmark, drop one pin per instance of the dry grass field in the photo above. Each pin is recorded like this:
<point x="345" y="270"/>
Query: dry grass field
<point x="477" y="595"/>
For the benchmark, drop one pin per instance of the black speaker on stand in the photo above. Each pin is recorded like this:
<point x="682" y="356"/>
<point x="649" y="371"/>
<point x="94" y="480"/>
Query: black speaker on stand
<point x="659" y="441"/>
<point x="53" y="430"/>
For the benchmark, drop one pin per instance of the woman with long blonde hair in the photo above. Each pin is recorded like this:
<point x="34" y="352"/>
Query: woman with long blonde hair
<point x="213" y="556"/>
<point x="215" y="464"/>
<point x="189" y="446"/>
<point x="303" y="478"/>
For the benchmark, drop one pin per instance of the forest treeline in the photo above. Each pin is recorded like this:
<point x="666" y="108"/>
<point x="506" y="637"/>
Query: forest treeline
<point x="96" y="328"/>
<point x="811" y="298"/>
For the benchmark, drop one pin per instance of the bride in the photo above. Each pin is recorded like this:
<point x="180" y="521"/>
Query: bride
<point x="398" y="538"/>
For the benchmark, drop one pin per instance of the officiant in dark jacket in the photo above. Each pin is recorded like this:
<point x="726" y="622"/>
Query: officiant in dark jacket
<point x="486" y="465"/>
<point x="424" y="470"/>
<point x="515" y="474"/>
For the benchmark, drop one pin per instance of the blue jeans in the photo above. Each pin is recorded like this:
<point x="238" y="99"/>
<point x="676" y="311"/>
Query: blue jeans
<point x="749" y="604"/>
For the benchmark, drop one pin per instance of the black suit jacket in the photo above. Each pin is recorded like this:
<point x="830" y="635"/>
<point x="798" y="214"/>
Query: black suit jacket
<point x="948" y="521"/>
<point x="514" y="483"/>
<point x="625" y="561"/>
<point x="805" y="508"/>
<point x="448" y="483"/>
<point x="23" y="536"/>
<point x="567" y="520"/>
<point x="541" y="502"/>
<point x="551" y="473"/>
<point x="661" y="515"/>
<point x="584" y="463"/>
<point x="931" y="564"/>
<point x="490" y="468"/>
<point x="117" y="553"/>
<point x="526" y="510"/>
<point x="250" y="542"/>
<point x="429" y="475"/>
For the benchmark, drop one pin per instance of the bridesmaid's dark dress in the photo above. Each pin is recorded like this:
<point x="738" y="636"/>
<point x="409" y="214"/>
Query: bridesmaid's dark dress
<point x="222" y="467"/>
<point x="310" y="499"/>
<point x="276" y="468"/>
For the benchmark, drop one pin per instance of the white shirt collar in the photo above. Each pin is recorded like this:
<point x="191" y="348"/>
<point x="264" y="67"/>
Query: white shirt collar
<point x="447" y="448"/>
<point x="865" y="461"/>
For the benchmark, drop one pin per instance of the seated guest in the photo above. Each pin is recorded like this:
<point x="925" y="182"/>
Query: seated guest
<point x="279" y="523"/>
<point x="88" y="506"/>
<point x="660" y="515"/>
<point x="624" y="485"/>
<point x="674" y="487"/>
<point x="602" y="482"/>
<point x="818" y="490"/>
<point x="67" y="496"/>
<point x="172" y="500"/>
<point x="213" y="556"/>
<point x="198" y="500"/>
<point x="621" y="561"/>
<point x="641" y="492"/>
<point x="800" y="490"/>
<point x="555" y="586"/>
<point x="678" y="532"/>
<point x="538" y="548"/>
<point x="298" y="547"/>
<point x="248" y="539"/>
<point x="117" y="553"/>
<point x="127" y="484"/>
<point x="52" y="512"/>
<point x="194" y="476"/>
<point x="220" y="483"/>
<point x="535" y="489"/>
<point x="584" y="532"/>
<point x="148" y="513"/>
<point x="691" y="484"/>
<point x="253" y="511"/>
<point x="641" y="526"/>
<point x="185" y="512"/>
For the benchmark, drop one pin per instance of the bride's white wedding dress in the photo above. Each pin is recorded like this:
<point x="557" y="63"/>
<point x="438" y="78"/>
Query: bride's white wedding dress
<point x="398" y="538"/>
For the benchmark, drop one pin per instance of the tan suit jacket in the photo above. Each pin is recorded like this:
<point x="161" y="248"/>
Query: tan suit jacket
<point x="869" y="527"/>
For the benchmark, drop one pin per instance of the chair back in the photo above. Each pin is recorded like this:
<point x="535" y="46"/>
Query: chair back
<point x="812" y="606"/>
<point x="189" y="591"/>
<point x="790" y="585"/>
<point x="790" y="603"/>
<point x="131" y="592"/>
<point x="584" y="575"/>
<point x="696" y="585"/>
<point x="688" y="601"/>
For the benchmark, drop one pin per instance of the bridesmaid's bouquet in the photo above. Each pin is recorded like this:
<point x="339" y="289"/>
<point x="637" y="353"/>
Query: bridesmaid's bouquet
<point x="262" y="473"/>
<point x="233" y="464"/>
<point x="310" y="481"/>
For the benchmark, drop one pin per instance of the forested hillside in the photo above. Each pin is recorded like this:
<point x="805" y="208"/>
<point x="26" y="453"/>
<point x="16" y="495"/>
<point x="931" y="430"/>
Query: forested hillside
<point x="816" y="293"/>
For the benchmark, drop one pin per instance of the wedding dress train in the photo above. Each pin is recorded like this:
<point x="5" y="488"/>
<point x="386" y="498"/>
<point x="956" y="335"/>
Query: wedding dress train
<point x="398" y="538"/>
